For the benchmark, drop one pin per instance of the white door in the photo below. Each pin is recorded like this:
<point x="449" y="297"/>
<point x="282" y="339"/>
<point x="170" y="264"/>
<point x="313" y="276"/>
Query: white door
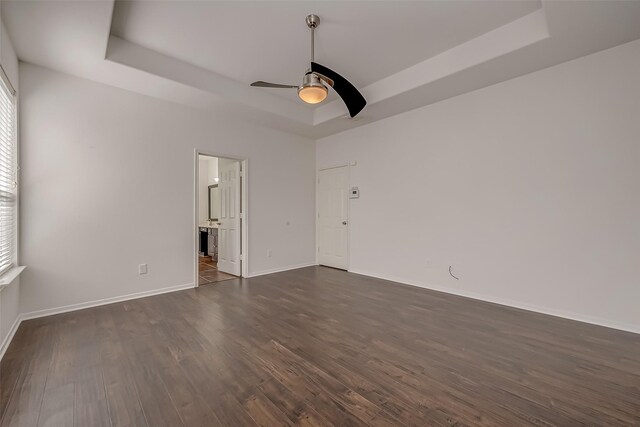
<point x="333" y="217"/>
<point x="229" y="222"/>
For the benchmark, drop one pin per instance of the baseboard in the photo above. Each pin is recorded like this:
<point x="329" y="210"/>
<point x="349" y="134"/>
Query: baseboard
<point x="278" y="270"/>
<point x="7" y="340"/>
<point x="510" y="303"/>
<point x="80" y="306"/>
<point x="105" y="301"/>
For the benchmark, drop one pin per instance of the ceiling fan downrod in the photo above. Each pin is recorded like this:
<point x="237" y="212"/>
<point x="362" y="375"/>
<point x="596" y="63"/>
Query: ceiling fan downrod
<point x="312" y="22"/>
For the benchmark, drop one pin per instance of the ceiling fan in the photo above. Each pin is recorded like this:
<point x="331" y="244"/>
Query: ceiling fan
<point x="313" y="90"/>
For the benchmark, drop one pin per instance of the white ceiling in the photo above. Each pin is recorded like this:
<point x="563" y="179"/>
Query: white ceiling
<point x="401" y="54"/>
<point x="249" y="41"/>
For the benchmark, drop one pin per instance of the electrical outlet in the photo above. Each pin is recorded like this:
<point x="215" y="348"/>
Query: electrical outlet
<point x="142" y="269"/>
<point x="269" y="253"/>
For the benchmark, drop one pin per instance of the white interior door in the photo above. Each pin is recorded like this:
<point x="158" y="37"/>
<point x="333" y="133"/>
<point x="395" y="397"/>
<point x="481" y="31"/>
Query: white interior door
<point x="333" y="217"/>
<point x="229" y="222"/>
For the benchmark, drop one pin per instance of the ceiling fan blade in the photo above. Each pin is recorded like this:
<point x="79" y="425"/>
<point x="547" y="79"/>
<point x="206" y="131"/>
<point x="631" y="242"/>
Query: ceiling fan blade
<point x="260" y="83"/>
<point x="353" y="99"/>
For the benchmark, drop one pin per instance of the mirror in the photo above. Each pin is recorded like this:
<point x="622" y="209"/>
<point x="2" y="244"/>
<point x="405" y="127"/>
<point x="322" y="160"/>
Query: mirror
<point x="214" y="202"/>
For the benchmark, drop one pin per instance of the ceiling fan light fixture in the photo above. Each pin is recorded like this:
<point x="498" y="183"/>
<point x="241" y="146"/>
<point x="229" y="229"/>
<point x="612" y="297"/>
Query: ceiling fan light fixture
<point x="312" y="94"/>
<point x="312" y="90"/>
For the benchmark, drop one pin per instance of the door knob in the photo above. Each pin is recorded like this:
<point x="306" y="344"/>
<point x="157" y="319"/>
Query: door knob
<point x="344" y="222"/>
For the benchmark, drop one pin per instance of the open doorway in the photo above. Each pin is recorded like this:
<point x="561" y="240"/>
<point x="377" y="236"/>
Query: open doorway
<point x="220" y="218"/>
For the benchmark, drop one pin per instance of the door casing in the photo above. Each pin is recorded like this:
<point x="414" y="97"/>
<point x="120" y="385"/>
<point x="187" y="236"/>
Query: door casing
<point x="244" y="224"/>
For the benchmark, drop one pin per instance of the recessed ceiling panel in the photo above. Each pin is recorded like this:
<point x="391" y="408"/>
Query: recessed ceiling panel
<point x="363" y="40"/>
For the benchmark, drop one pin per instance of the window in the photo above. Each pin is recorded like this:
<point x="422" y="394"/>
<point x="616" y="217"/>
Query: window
<point x="8" y="174"/>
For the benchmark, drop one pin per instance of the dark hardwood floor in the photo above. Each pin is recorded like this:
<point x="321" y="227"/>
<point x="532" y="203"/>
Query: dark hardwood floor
<point x="317" y="346"/>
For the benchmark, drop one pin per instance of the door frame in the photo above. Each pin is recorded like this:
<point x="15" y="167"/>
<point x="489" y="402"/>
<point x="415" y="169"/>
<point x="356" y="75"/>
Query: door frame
<point x="244" y="211"/>
<point x="318" y="170"/>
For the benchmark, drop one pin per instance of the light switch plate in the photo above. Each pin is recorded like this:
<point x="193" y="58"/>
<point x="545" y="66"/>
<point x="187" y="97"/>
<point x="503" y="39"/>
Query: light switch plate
<point x="142" y="269"/>
<point x="354" y="193"/>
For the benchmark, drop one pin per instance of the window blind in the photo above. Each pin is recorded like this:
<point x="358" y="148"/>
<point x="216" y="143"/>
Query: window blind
<point x="8" y="175"/>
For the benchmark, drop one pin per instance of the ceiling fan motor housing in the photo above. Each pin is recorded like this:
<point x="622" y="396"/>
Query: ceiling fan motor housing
<point x="312" y="79"/>
<point x="312" y="90"/>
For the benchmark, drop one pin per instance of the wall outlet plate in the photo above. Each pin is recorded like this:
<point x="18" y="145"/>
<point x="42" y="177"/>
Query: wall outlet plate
<point x="354" y="193"/>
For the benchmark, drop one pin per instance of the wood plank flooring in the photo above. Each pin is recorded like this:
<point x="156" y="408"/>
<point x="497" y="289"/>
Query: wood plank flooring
<point x="208" y="272"/>
<point x="317" y="347"/>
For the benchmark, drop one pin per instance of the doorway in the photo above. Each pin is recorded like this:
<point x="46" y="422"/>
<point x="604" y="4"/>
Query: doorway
<point x="333" y="217"/>
<point x="220" y="219"/>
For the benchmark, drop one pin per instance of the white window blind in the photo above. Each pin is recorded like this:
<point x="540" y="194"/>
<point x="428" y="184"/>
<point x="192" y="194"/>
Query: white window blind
<point x="8" y="175"/>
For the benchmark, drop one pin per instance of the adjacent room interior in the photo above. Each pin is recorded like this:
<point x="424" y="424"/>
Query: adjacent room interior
<point x="319" y="213"/>
<point x="219" y="219"/>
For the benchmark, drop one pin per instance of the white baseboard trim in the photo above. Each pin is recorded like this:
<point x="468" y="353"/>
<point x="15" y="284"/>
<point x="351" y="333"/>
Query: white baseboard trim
<point x="73" y="307"/>
<point x="278" y="270"/>
<point x="104" y="301"/>
<point x="7" y="340"/>
<point x="510" y="303"/>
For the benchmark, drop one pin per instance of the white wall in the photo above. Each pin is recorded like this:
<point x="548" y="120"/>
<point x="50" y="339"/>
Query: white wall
<point x="108" y="183"/>
<point x="10" y="295"/>
<point x="8" y="57"/>
<point x="530" y="189"/>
